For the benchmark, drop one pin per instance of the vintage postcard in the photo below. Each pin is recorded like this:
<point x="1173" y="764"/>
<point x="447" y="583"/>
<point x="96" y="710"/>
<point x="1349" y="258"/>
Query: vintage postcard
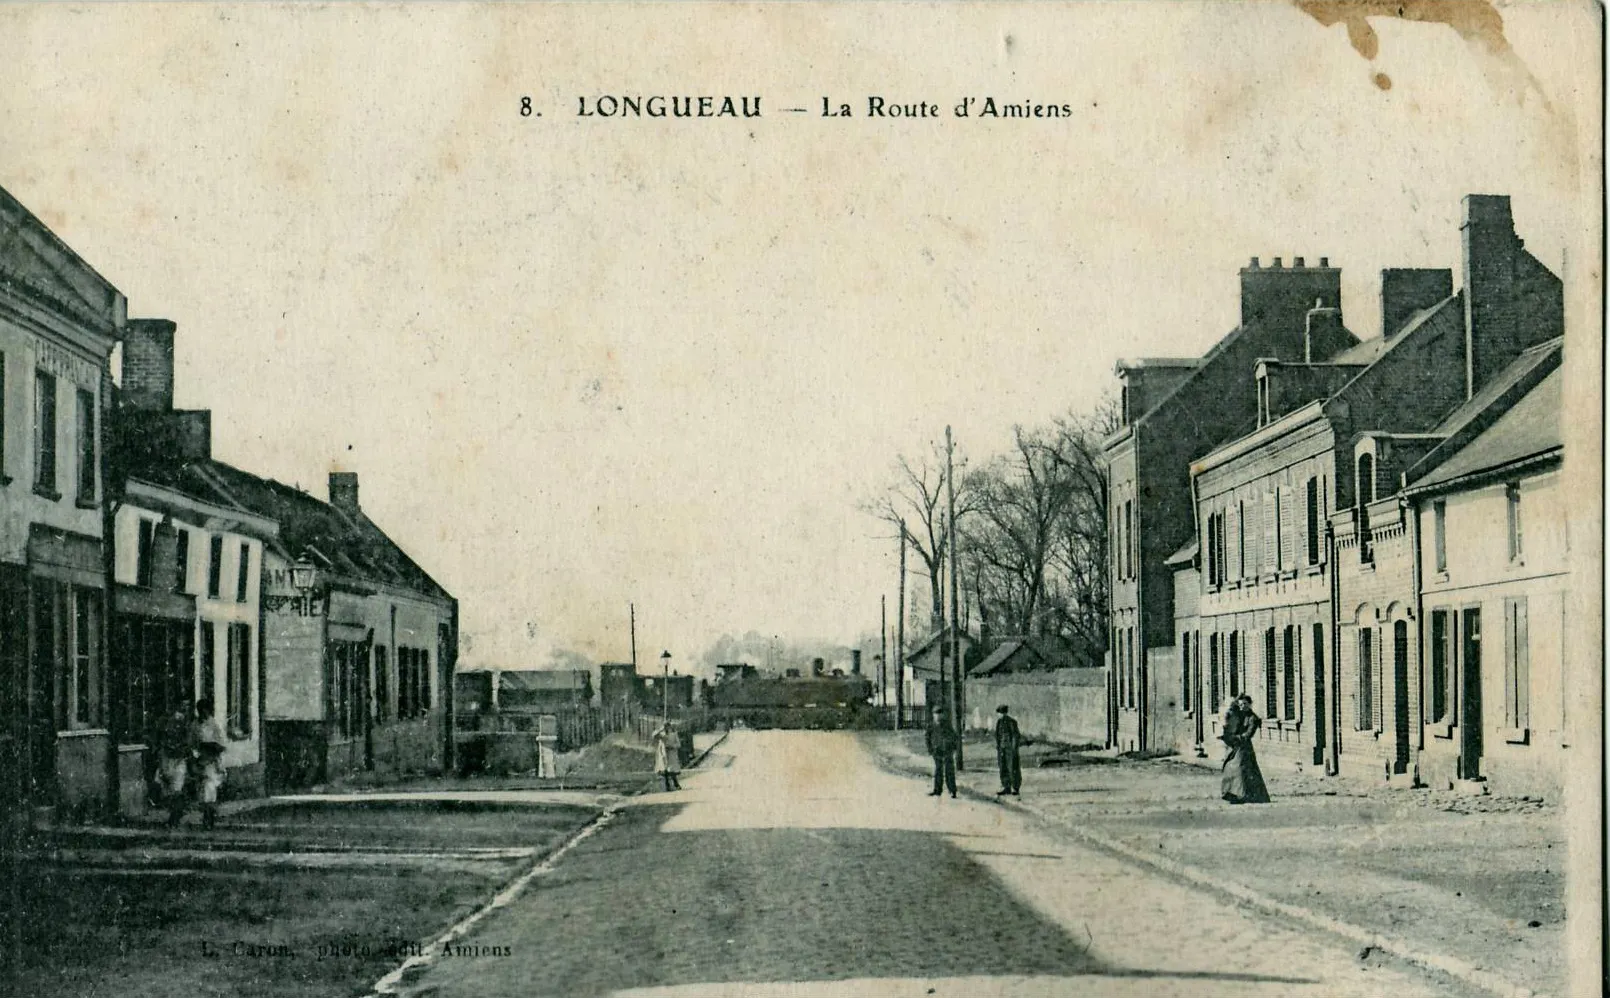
<point x="1070" y="498"/>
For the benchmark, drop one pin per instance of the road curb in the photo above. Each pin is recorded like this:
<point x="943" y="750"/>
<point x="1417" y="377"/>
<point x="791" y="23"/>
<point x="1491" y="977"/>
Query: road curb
<point x="712" y="747"/>
<point x="1451" y="966"/>
<point x="397" y="981"/>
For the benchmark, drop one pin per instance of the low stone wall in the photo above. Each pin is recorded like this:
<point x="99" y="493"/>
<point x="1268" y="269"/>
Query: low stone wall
<point x="1067" y="706"/>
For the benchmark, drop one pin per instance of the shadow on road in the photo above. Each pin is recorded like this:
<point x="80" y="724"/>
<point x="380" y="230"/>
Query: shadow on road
<point x="634" y="908"/>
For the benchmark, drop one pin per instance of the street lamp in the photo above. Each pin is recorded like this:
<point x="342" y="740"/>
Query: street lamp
<point x="665" y="687"/>
<point x="303" y="577"/>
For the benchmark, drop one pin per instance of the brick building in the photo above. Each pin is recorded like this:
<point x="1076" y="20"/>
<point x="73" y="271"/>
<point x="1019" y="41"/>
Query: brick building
<point x="59" y="322"/>
<point x="1173" y="410"/>
<point x="1305" y="504"/>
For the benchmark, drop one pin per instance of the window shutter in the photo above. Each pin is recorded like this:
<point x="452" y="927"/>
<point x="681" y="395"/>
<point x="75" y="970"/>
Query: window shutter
<point x="1288" y="530"/>
<point x="1510" y="663"/>
<point x="1267" y="562"/>
<point x="1248" y="513"/>
<point x="1233" y="554"/>
<point x="1523" y="659"/>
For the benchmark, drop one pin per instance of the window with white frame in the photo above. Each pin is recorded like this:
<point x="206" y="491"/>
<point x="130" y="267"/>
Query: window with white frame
<point x="1440" y="706"/>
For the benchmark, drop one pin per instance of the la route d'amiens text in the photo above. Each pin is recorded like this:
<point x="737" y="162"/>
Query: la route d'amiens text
<point x="668" y="106"/>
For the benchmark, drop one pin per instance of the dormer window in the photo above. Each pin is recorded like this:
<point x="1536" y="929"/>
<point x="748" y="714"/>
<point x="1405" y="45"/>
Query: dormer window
<point x="1364" y="495"/>
<point x="1263" y="400"/>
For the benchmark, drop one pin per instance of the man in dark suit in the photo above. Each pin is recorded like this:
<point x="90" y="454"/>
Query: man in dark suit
<point x="942" y="746"/>
<point x="1007" y="740"/>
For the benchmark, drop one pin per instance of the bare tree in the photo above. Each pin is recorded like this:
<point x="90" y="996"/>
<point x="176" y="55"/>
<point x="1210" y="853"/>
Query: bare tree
<point x="1019" y="499"/>
<point x="914" y="503"/>
<point x="1035" y="551"/>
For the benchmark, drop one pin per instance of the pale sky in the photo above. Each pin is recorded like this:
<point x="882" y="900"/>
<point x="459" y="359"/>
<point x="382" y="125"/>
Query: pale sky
<point x="579" y="363"/>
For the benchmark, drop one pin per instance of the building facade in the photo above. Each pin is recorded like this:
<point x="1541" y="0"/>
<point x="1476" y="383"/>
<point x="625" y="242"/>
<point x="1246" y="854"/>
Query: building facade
<point x="186" y="618"/>
<point x="1172" y="411"/>
<point x="1308" y="564"/>
<point x="1494" y="540"/>
<point x="59" y="322"/>
<point x="361" y="644"/>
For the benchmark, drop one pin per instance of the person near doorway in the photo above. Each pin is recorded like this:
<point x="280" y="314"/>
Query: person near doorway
<point x="941" y="739"/>
<point x="175" y="750"/>
<point x="668" y="756"/>
<point x="210" y="743"/>
<point x="1242" y="782"/>
<point x="1007" y="741"/>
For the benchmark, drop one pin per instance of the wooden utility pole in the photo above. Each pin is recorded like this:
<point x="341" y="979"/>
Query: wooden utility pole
<point x="632" y="608"/>
<point x="883" y="651"/>
<point x="900" y="639"/>
<point x="958" y="699"/>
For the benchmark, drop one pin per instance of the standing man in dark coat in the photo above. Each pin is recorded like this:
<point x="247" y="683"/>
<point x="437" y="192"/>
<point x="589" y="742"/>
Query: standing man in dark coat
<point x="942" y="746"/>
<point x="1007" y="740"/>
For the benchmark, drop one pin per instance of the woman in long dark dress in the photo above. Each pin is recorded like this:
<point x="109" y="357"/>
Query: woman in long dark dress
<point x="1242" y="782"/>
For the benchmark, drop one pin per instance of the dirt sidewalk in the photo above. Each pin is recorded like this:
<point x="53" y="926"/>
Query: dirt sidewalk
<point x="1477" y="880"/>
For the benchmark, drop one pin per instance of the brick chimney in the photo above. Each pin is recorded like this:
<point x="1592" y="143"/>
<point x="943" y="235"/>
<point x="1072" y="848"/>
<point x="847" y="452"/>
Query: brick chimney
<point x="344" y="490"/>
<point x="1407" y="290"/>
<point x="1278" y="298"/>
<point x="148" y="365"/>
<point x="1512" y="301"/>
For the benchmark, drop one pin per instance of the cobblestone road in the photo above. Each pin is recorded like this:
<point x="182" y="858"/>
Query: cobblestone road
<point x="793" y="865"/>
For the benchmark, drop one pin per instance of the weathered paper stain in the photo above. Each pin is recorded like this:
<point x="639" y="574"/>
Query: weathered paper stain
<point x="1478" y="22"/>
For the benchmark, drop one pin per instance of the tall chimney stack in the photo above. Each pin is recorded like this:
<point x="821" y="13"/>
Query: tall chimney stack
<point x="344" y="490"/>
<point x="1407" y="290"/>
<point x="148" y="365"/>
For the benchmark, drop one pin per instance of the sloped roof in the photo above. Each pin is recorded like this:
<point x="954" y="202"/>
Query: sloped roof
<point x="1370" y="350"/>
<point x="349" y="544"/>
<point x="1015" y="654"/>
<point x="534" y="680"/>
<point x="1531" y="428"/>
<point x="1186" y="554"/>
<point x="1530" y="360"/>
